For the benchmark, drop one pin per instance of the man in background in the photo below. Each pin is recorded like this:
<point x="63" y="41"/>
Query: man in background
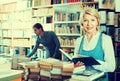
<point x="48" y="39"/>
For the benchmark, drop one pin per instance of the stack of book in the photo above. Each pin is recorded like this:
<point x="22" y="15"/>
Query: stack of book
<point x="33" y="69"/>
<point x="67" y="69"/>
<point x="46" y="67"/>
<point x="78" y="68"/>
<point x="56" y="70"/>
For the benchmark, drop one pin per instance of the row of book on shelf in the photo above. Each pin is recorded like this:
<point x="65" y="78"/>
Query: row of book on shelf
<point x="14" y="6"/>
<point x="64" y="16"/>
<point x="66" y="41"/>
<point x="29" y="3"/>
<point x="50" y="2"/>
<point x="103" y="4"/>
<point x="111" y="30"/>
<point x="63" y="29"/>
<point x="16" y="51"/>
<point x="17" y="15"/>
<point x="42" y="11"/>
<point x="117" y="49"/>
<point x="15" y="33"/>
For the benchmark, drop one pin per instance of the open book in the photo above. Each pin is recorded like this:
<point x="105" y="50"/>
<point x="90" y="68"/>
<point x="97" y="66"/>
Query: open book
<point x="85" y="59"/>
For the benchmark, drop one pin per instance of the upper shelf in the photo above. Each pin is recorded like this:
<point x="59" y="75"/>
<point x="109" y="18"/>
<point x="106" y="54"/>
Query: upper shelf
<point x="42" y="15"/>
<point x="62" y="22"/>
<point x="66" y="34"/>
<point x="42" y="6"/>
<point x="75" y="3"/>
<point x="65" y="4"/>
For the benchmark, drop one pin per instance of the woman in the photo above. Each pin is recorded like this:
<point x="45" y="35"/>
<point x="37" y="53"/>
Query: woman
<point x="94" y="43"/>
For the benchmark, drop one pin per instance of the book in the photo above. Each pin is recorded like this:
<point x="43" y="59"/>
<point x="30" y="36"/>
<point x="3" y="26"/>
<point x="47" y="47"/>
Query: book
<point x="66" y="54"/>
<point x="55" y="76"/>
<point x="88" y="61"/>
<point x="45" y="73"/>
<point x="56" y="68"/>
<point x="32" y="65"/>
<point x="86" y="77"/>
<point x="85" y="59"/>
<point x="78" y="68"/>
<point x="117" y="8"/>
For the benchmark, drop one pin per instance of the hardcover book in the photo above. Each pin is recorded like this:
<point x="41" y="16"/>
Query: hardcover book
<point x="85" y="59"/>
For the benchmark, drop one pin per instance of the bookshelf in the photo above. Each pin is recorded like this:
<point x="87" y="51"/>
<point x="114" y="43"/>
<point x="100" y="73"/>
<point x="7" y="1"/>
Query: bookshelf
<point x="111" y="24"/>
<point x="59" y="16"/>
<point x="43" y="15"/>
<point x="15" y="27"/>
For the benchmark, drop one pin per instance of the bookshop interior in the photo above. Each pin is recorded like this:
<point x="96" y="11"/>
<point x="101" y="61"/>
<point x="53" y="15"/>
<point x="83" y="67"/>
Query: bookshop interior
<point x="59" y="40"/>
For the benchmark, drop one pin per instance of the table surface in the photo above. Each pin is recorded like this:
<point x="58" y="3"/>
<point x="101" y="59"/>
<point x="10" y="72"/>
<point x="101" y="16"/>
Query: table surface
<point x="8" y="73"/>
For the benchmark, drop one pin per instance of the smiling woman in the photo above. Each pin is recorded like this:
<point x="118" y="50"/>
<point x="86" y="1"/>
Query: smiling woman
<point x="94" y="43"/>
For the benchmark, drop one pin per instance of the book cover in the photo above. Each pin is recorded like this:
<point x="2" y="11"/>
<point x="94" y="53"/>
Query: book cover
<point x="85" y="59"/>
<point x="45" y="73"/>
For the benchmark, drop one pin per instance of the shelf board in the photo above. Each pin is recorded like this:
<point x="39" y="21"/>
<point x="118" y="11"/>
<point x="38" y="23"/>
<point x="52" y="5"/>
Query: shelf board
<point x="7" y="37"/>
<point x="67" y="46"/>
<point x="96" y="2"/>
<point x="75" y="3"/>
<point x="26" y="9"/>
<point x="21" y="37"/>
<point x="42" y="6"/>
<point x="62" y="22"/>
<point x="5" y="45"/>
<point x="20" y="46"/>
<point x="5" y="28"/>
<point x="20" y="10"/>
<point x="18" y="28"/>
<point x="42" y="15"/>
<point x="117" y="41"/>
<point x="66" y="34"/>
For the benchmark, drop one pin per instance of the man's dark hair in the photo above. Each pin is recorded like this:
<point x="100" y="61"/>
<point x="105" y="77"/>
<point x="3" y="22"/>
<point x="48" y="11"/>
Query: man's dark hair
<point x="38" y="26"/>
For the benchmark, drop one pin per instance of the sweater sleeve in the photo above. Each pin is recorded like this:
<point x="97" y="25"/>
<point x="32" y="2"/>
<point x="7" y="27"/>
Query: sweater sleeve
<point x="34" y="49"/>
<point x="108" y="65"/>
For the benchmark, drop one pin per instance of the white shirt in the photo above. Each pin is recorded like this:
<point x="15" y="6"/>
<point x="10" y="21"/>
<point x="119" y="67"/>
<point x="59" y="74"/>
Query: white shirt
<point x="108" y="65"/>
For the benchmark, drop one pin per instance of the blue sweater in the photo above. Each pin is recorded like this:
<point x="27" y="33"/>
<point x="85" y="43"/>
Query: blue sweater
<point x="50" y="42"/>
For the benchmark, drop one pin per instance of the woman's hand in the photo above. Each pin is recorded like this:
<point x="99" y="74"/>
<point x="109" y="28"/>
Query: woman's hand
<point x="79" y="64"/>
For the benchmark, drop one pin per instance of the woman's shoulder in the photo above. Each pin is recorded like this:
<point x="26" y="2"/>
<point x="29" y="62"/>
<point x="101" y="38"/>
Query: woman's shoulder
<point x="79" y="38"/>
<point x="106" y="37"/>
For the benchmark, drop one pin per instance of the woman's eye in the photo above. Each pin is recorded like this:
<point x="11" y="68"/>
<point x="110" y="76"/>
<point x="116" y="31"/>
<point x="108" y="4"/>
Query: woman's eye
<point x="92" y="19"/>
<point x="85" y="20"/>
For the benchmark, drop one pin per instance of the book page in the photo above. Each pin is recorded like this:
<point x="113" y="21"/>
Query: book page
<point x="117" y="7"/>
<point x="66" y="54"/>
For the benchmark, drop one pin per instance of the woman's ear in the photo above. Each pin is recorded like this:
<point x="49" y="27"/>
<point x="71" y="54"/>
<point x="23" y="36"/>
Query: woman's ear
<point x="81" y="24"/>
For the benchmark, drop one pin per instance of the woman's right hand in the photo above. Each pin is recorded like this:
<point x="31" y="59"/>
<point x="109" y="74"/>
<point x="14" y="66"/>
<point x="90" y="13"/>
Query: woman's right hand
<point x="79" y="63"/>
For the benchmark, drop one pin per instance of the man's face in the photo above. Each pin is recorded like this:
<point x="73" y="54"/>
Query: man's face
<point x="37" y="31"/>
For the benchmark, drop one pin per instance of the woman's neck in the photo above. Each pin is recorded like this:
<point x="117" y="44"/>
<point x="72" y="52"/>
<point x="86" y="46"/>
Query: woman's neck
<point x="90" y="35"/>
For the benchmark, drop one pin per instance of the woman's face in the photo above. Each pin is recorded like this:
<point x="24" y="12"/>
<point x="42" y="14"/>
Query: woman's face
<point x="90" y="23"/>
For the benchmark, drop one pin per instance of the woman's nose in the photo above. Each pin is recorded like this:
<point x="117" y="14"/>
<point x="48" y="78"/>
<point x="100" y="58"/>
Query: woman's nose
<point x="88" y="23"/>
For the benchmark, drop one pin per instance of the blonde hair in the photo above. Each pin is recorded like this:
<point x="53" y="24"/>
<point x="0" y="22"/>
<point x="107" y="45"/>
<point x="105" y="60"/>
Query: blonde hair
<point x="90" y="11"/>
